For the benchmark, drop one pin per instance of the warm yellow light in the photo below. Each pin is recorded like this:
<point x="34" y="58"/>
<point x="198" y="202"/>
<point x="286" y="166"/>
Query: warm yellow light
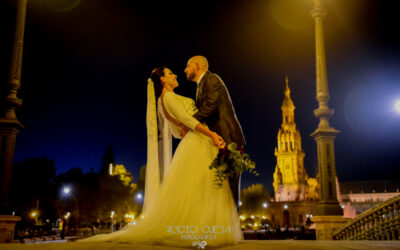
<point x="142" y="216"/>
<point x="129" y="216"/>
<point x="255" y="224"/>
<point x="33" y="214"/>
<point x="111" y="169"/>
<point x="263" y="217"/>
<point x="112" y="214"/>
<point x="252" y="216"/>
<point x="242" y="217"/>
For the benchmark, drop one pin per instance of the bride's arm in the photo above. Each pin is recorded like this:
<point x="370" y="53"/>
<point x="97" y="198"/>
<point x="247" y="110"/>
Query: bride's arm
<point x="174" y="107"/>
<point x="176" y="132"/>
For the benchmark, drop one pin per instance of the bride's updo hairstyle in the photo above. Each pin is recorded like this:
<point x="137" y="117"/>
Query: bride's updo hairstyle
<point x="155" y="76"/>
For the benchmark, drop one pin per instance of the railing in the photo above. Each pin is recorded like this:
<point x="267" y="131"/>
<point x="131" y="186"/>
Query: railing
<point x="381" y="222"/>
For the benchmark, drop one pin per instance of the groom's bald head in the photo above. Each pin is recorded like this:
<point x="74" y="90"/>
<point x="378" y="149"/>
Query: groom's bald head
<point x="196" y="66"/>
<point x="201" y="61"/>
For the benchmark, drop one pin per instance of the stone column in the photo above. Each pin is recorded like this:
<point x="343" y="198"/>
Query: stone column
<point x="329" y="212"/>
<point x="10" y="126"/>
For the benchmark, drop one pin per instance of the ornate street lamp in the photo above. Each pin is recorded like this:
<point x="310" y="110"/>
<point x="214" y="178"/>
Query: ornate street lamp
<point x="9" y="124"/>
<point x="329" y="214"/>
<point x="10" y="127"/>
<point x="324" y="135"/>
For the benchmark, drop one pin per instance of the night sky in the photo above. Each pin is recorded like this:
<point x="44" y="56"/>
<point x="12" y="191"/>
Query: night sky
<point x="86" y="64"/>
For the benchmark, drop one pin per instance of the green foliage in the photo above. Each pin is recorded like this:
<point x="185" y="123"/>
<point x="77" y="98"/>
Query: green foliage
<point x="230" y="161"/>
<point x="253" y="197"/>
<point x="92" y="197"/>
<point x="32" y="187"/>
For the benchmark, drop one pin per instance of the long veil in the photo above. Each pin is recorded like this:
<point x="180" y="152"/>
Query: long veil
<point x="159" y="149"/>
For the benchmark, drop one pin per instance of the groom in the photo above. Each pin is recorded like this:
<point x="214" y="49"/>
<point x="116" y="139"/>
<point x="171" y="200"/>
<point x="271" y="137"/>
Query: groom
<point x="215" y="108"/>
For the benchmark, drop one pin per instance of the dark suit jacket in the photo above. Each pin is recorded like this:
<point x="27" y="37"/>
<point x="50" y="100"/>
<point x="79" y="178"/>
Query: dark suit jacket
<point x="216" y="109"/>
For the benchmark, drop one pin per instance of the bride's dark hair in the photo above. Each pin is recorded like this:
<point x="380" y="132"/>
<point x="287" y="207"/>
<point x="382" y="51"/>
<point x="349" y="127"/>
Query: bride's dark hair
<point x="155" y="76"/>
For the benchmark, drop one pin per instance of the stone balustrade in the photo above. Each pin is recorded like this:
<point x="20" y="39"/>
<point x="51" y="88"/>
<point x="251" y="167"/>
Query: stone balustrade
<point x="381" y="222"/>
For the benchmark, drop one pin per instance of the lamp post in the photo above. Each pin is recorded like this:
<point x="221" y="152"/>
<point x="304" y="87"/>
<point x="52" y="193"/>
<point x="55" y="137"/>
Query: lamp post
<point x="10" y="126"/>
<point x="324" y="135"/>
<point x="68" y="193"/>
<point x="329" y="213"/>
<point x="112" y="221"/>
<point x="34" y="215"/>
<point x="66" y="217"/>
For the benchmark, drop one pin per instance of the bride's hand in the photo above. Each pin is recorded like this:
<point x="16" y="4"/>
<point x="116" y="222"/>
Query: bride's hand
<point x="217" y="140"/>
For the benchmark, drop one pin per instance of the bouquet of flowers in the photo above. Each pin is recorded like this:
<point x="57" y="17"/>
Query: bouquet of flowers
<point x="232" y="160"/>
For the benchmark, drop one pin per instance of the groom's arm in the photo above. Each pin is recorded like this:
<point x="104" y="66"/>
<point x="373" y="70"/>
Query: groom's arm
<point x="212" y="89"/>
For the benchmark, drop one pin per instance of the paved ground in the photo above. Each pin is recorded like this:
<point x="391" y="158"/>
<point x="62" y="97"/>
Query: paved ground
<point x="245" y="245"/>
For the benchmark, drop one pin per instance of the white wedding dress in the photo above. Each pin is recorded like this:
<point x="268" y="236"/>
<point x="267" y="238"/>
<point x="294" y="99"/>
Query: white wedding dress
<point x="188" y="207"/>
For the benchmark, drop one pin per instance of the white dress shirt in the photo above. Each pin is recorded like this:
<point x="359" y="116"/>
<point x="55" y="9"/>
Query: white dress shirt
<point x="200" y="78"/>
<point x="198" y="81"/>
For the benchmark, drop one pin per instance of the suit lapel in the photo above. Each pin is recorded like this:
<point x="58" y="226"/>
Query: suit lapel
<point x="200" y="87"/>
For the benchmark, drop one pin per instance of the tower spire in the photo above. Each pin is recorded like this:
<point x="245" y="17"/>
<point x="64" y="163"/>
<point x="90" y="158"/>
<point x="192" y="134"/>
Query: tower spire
<point x="287" y="101"/>
<point x="287" y="83"/>
<point x="290" y="177"/>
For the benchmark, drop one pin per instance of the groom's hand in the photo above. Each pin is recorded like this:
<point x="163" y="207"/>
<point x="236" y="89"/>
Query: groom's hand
<point x="184" y="131"/>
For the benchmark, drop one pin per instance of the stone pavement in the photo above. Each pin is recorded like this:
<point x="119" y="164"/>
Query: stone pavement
<point x="243" y="245"/>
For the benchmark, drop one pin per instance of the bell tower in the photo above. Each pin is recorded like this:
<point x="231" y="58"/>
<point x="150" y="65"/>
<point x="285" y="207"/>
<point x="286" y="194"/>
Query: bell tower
<point x="290" y="176"/>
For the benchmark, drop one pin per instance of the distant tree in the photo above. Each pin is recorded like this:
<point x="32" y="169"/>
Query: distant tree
<point x="140" y="184"/>
<point x="141" y="180"/>
<point x="91" y="198"/>
<point x="125" y="176"/>
<point x="112" y="195"/>
<point x="72" y="201"/>
<point x="252" y="198"/>
<point x="33" y="189"/>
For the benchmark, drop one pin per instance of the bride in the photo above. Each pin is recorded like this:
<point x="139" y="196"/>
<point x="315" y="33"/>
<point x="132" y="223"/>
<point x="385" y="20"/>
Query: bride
<point x="185" y="208"/>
